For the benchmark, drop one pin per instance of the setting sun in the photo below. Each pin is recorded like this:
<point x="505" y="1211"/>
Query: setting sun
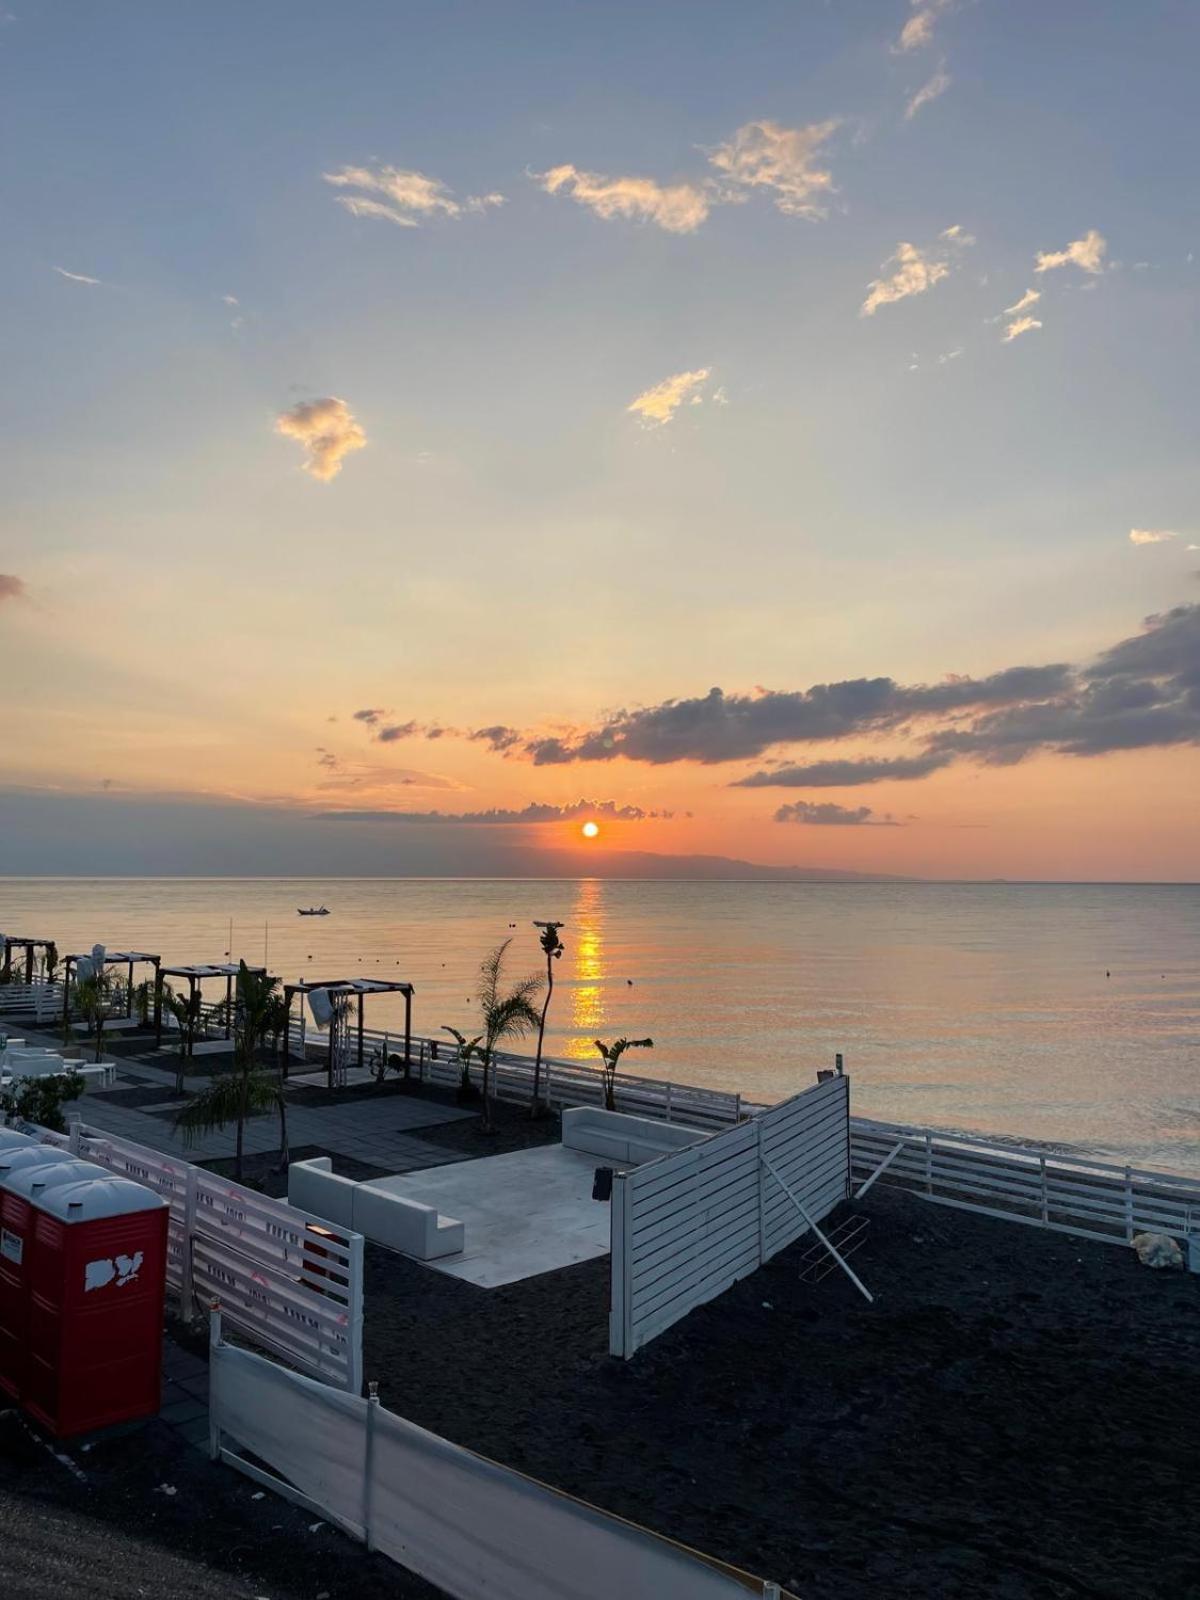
<point x="590" y="830"/>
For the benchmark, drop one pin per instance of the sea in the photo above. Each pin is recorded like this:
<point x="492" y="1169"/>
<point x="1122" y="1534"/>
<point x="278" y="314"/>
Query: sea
<point x="1063" y="1015"/>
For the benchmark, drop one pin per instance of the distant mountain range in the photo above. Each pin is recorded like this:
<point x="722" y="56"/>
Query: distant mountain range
<point x="606" y="863"/>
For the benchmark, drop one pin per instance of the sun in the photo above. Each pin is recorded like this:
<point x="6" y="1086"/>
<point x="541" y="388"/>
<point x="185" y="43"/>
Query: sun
<point x="590" y="830"/>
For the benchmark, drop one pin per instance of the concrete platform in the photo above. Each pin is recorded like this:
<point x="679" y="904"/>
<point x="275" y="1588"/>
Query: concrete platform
<point x="525" y="1213"/>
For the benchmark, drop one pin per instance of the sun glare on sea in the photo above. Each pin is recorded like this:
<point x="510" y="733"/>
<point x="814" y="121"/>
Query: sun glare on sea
<point x="590" y="830"/>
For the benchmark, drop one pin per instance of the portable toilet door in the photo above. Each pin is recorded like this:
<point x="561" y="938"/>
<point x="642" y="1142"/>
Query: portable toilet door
<point x="16" y="1217"/>
<point x="97" y="1288"/>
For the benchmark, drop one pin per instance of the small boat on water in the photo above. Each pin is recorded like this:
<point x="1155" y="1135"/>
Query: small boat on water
<point x="313" y="911"/>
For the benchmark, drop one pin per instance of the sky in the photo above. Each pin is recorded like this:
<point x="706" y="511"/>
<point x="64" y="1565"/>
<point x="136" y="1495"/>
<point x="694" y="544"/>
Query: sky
<point x="767" y="431"/>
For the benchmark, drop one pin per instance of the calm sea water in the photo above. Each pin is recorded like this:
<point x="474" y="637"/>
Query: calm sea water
<point x="1064" y="1014"/>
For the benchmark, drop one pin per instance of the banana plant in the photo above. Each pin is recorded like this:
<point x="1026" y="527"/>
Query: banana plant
<point x="611" y="1055"/>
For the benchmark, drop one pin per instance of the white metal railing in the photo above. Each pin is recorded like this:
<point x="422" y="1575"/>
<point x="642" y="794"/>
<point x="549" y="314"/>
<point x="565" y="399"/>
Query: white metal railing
<point x="563" y="1083"/>
<point x="288" y="1280"/>
<point x="1068" y="1194"/>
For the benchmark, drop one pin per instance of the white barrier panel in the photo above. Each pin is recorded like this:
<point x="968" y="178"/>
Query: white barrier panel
<point x="289" y="1280"/>
<point x="468" y="1525"/>
<point x="1066" y="1194"/>
<point x="687" y="1226"/>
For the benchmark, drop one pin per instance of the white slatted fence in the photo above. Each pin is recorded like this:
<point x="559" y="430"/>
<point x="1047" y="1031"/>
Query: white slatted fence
<point x="289" y="1281"/>
<point x="477" y="1530"/>
<point x="688" y="1225"/>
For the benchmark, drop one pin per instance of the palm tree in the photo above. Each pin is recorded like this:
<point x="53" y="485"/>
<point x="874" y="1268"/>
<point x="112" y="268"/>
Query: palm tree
<point x="93" y="1000"/>
<point x="611" y="1055"/>
<point x="248" y="1089"/>
<point x="467" y="1050"/>
<point x="504" y="1015"/>
<point x="552" y="949"/>
<point x="185" y="1012"/>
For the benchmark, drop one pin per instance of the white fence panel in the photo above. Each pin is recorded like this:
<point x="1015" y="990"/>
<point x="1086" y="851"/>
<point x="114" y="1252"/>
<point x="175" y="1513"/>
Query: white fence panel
<point x="1065" y="1194"/>
<point x="469" y="1525"/>
<point x="687" y="1226"/>
<point x="289" y="1280"/>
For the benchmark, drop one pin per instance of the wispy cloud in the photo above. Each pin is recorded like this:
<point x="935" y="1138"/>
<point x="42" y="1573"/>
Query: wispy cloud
<point x="918" y="30"/>
<point x="75" y="277"/>
<point x="1152" y="536"/>
<point x="535" y="812"/>
<point x="1018" y="326"/>
<point x="825" y="814"/>
<point x="328" y="431"/>
<point x="845" y="774"/>
<point x="498" y="738"/>
<point x="1087" y="253"/>
<point x="936" y="86"/>
<point x="676" y="207"/>
<point x="1029" y="298"/>
<point x="402" y="196"/>
<point x="658" y="405"/>
<point x="764" y="155"/>
<point x="11" y="587"/>
<point x="915" y="271"/>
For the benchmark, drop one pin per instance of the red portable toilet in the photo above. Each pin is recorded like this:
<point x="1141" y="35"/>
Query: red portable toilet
<point x="15" y="1218"/>
<point x="97" y="1285"/>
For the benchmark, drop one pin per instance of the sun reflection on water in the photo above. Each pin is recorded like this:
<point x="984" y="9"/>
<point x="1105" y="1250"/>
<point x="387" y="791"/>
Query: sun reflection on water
<point x="586" y="953"/>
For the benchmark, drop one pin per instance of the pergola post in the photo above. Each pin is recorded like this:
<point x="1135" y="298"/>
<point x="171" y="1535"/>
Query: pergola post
<point x="158" y="1005"/>
<point x="333" y="1020"/>
<point x="408" y="994"/>
<point x="7" y="973"/>
<point x="193" y="1008"/>
<point x="29" y="961"/>
<point x="67" y="966"/>
<point x="228" y="1004"/>
<point x="360" y="1028"/>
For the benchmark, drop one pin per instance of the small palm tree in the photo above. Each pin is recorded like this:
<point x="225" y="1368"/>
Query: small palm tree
<point x="611" y="1055"/>
<point x="466" y="1052"/>
<point x="552" y="949"/>
<point x="505" y="1015"/>
<point x="94" y="1002"/>
<point x="248" y="1090"/>
<point x="185" y="1012"/>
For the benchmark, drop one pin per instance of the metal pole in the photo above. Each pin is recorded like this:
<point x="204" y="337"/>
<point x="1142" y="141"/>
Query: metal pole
<point x="841" y="1261"/>
<point x="360" y="1029"/>
<point x="369" y="1464"/>
<point x="214" y="1415"/>
<point x="407" y="1026"/>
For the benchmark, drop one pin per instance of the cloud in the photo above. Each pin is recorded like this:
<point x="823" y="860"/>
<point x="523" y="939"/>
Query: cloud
<point x="1086" y="253"/>
<point x="402" y="196"/>
<point x="678" y="207"/>
<point x="370" y="716"/>
<point x="11" y="587"/>
<point x="918" y="30"/>
<point x="780" y="160"/>
<point x="717" y="727"/>
<point x="846" y="774"/>
<point x="1152" y="536"/>
<point x="395" y="731"/>
<point x="827" y="815"/>
<point x="533" y="813"/>
<point x="916" y="271"/>
<point x="1029" y="298"/>
<point x="936" y="86"/>
<point x="1019" y="326"/>
<point x="76" y="277"/>
<point x="328" y="431"/>
<point x="658" y="405"/>
<point x="499" y="737"/>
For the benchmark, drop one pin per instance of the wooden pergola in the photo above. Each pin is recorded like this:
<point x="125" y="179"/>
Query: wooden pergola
<point x="195" y="976"/>
<point x="116" y="958"/>
<point x="342" y="988"/>
<point x="30" y="948"/>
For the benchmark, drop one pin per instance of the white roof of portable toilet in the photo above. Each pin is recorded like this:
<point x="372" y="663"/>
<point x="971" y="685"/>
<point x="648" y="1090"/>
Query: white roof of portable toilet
<point x="30" y="1181"/>
<point x="10" y="1139"/>
<point x="98" y="1197"/>
<point x="30" y="1155"/>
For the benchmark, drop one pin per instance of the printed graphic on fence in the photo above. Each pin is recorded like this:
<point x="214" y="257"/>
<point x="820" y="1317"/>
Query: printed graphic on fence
<point x="288" y="1281"/>
<point x="469" y="1525"/>
<point x="687" y="1226"/>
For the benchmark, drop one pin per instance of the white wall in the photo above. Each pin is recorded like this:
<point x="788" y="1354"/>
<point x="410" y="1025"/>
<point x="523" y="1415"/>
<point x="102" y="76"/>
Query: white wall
<point x="687" y="1226"/>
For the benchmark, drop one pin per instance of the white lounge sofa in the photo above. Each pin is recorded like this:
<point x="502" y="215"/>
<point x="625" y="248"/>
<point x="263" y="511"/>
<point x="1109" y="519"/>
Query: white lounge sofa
<point x="385" y="1218"/>
<point x="621" y="1138"/>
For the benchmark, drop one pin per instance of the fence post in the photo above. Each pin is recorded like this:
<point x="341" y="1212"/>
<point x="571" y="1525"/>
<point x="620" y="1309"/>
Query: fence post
<point x="1129" y="1204"/>
<point x="928" y="1163"/>
<point x="186" y="1285"/>
<point x="762" y="1197"/>
<point x="354" y="1318"/>
<point x="668" y="1102"/>
<point x="1045" y="1197"/>
<point x="771" y="1591"/>
<point x="369" y="1465"/>
<point x="214" y="1414"/>
<point x="74" y="1127"/>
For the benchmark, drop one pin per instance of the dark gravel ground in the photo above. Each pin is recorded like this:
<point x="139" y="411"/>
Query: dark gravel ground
<point x="1014" y="1417"/>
